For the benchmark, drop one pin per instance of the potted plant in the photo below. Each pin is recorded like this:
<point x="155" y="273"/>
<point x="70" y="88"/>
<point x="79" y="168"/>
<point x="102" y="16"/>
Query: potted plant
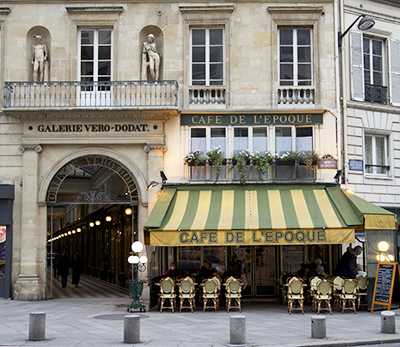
<point x="309" y="159"/>
<point x="242" y="159"/>
<point x="289" y="157"/>
<point x="216" y="159"/>
<point x="195" y="158"/>
<point x="261" y="163"/>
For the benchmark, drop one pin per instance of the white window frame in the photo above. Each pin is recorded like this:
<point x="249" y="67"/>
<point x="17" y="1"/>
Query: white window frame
<point x="250" y="137"/>
<point x="295" y="56"/>
<point x="95" y="53"/>
<point x="374" y="154"/>
<point x="207" y="58"/>
<point x="208" y="138"/>
<point x="294" y="137"/>
<point x="384" y="55"/>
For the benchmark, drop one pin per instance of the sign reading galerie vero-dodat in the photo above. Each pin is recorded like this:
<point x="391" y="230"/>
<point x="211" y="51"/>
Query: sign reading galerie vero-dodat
<point x="295" y="118"/>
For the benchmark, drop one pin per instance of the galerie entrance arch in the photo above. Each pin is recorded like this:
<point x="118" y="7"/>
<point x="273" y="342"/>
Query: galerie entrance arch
<point x="83" y="186"/>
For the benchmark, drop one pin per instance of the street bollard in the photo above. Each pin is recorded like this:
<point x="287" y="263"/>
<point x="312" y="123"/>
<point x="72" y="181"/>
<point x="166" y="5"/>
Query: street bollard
<point x="132" y="329"/>
<point x="238" y="329"/>
<point x="318" y="327"/>
<point x="388" y="322"/>
<point x="37" y="326"/>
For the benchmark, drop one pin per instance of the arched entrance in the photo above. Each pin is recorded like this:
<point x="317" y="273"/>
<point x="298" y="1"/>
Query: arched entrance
<point x="92" y="211"/>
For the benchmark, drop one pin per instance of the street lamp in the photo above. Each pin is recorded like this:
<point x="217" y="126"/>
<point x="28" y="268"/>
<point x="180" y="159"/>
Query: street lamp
<point x="364" y="24"/>
<point x="137" y="264"/>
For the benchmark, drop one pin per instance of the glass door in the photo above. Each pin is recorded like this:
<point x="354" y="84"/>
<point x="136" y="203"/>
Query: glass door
<point x="265" y="271"/>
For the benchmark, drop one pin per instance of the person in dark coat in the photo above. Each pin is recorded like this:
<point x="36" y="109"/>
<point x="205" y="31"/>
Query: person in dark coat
<point x="173" y="271"/>
<point x="63" y="269"/>
<point x="76" y="269"/>
<point x="347" y="266"/>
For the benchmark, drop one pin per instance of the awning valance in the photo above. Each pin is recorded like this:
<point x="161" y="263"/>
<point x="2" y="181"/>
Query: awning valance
<point x="256" y="214"/>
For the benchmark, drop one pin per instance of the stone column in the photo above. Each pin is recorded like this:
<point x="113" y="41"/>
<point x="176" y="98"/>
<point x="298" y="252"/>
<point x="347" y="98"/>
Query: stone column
<point x="29" y="285"/>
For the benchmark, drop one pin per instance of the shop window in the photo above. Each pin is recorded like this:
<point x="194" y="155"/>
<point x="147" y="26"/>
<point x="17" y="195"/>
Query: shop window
<point x="3" y="231"/>
<point x="189" y="259"/>
<point x="376" y="154"/>
<point x="295" y="56"/>
<point x="253" y="139"/>
<point x="207" y="56"/>
<point x="290" y="139"/>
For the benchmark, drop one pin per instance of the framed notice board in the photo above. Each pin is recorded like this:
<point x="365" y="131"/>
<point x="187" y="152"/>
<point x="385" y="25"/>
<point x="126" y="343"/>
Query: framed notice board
<point x="387" y="285"/>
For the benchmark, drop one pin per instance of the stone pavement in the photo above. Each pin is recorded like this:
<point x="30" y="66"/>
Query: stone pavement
<point x="99" y="322"/>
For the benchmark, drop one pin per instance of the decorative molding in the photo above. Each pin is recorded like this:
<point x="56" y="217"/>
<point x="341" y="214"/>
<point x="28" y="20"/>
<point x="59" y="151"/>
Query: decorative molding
<point x="148" y="147"/>
<point x="188" y="8"/>
<point x="94" y="9"/>
<point x="295" y="9"/>
<point x="36" y="148"/>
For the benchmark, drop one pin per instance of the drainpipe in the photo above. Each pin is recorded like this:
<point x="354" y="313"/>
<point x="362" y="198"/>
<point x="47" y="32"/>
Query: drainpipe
<point x="339" y="129"/>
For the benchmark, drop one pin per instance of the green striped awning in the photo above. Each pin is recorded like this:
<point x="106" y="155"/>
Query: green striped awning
<point x="252" y="214"/>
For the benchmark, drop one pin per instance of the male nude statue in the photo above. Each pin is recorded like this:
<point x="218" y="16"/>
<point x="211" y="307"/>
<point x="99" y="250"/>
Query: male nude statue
<point x="39" y="56"/>
<point x="150" y="58"/>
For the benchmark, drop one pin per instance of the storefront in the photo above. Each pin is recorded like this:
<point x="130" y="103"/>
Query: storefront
<point x="267" y="228"/>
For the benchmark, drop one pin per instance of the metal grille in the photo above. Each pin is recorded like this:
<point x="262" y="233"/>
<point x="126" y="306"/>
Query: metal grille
<point x="375" y="93"/>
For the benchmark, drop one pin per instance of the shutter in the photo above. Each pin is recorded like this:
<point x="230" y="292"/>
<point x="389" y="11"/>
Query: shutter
<point x="357" y="70"/>
<point x="394" y="65"/>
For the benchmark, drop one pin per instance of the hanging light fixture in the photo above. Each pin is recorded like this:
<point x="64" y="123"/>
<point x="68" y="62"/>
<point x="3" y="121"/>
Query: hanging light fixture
<point x="128" y="211"/>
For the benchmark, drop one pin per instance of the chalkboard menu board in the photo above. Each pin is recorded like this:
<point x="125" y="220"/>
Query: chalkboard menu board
<point x="386" y="282"/>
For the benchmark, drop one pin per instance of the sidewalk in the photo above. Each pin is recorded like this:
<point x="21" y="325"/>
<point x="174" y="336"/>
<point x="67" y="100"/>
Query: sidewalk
<point x="99" y="322"/>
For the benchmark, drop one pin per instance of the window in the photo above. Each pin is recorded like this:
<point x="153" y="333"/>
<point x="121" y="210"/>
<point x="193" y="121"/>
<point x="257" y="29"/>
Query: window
<point x="254" y="139"/>
<point x="373" y="61"/>
<point x="95" y="56"/>
<point x="295" y="57"/>
<point x="285" y="141"/>
<point x="203" y="139"/>
<point x="376" y="154"/>
<point x="207" y="56"/>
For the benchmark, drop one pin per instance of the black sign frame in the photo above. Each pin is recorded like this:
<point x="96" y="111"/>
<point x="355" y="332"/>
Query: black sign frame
<point x="387" y="282"/>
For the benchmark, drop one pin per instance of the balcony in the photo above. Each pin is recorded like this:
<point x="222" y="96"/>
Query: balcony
<point x="116" y="94"/>
<point x="207" y="95"/>
<point x="289" y="95"/>
<point x="376" y="93"/>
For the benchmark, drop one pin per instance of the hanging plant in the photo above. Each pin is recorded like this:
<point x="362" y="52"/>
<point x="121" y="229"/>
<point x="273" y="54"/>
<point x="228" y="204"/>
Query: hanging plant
<point x="242" y="159"/>
<point x="195" y="158"/>
<point x="309" y="159"/>
<point x="290" y="157"/>
<point x="261" y="163"/>
<point x="216" y="159"/>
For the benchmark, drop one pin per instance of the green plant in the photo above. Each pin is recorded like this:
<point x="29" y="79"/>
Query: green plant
<point x="242" y="158"/>
<point x="309" y="159"/>
<point x="216" y="159"/>
<point x="290" y="156"/>
<point x="194" y="158"/>
<point x="261" y="162"/>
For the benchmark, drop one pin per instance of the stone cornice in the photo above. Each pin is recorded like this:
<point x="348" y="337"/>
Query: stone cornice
<point x="94" y="9"/>
<point x="188" y="8"/>
<point x="92" y="114"/>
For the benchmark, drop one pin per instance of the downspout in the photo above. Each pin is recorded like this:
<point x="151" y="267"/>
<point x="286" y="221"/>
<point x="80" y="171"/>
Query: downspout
<point x="338" y="83"/>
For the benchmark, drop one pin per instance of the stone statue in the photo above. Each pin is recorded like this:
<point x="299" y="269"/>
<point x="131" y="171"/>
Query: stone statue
<point x="150" y="59"/>
<point x="39" y="57"/>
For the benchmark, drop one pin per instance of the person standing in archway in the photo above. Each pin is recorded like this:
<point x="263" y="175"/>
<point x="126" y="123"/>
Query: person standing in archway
<point x="63" y="269"/>
<point x="76" y="269"/>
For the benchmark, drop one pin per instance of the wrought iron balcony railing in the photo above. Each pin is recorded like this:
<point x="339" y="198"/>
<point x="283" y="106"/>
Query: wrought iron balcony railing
<point x="375" y="93"/>
<point x="90" y="94"/>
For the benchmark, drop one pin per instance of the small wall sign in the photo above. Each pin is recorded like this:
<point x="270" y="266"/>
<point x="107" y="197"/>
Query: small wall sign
<point x="327" y="162"/>
<point x="356" y="165"/>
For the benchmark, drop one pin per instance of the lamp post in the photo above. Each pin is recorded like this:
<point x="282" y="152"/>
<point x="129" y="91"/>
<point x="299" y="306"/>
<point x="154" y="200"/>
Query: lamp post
<point x="137" y="264"/>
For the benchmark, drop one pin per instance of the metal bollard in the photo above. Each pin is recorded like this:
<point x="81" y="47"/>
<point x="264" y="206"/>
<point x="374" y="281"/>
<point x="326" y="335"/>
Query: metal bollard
<point x="318" y="327"/>
<point x="132" y="329"/>
<point x="238" y="329"/>
<point x="37" y="326"/>
<point x="388" y="322"/>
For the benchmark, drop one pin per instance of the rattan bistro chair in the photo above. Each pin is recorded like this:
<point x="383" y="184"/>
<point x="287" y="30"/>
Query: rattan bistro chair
<point x="210" y="294"/>
<point x="233" y="293"/>
<point x="337" y="282"/>
<point x="322" y="296"/>
<point x="187" y="293"/>
<point x="295" y="295"/>
<point x="348" y="296"/>
<point x="362" y="293"/>
<point x="167" y="293"/>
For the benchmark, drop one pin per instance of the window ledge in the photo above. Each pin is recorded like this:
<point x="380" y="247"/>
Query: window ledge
<point x="186" y="8"/>
<point x="378" y="177"/>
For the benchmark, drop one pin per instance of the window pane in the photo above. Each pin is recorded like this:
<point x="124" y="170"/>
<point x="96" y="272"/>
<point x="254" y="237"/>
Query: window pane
<point x="303" y="37"/>
<point x="199" y="54"/>
<point x="216" y="54"/>
<point x="198" y="72"/>
<point x="366" y="45"/>
<point x="2" y="250"/>
<point x="198" y="132"/>
<point x="368" y="153"/>
<point x="104" y="68"/>
<point x="286" y="54"/>
<point x="198" y="140"/>
<point x="104" y="52"/>
<point x="104" y="37"/>
<point x="241" y="140"/>
<point x="87" y="68"/>
<point x="216" y="71"/>
<point x="286" y="72"/>
<point x="286" y="36"/>
<point x="376" y="47"/>
<point x="260" y="139"/>
<point x="377" y="63"/>
<point x="198" y="37"/>
<point x="189" y="259"/>
<point x="218" y="139"/>
<point x="380" y="151"/>
<point x="283" y="140"/>
<point x="87" y="53"/>
<point x="304" y="139"/>
<point x="378" y="79"/>
<point x="304" y="54"/>
<point x="304" y="72"/>
<point x="216" y="36"/>
<point x="87" y="37"/>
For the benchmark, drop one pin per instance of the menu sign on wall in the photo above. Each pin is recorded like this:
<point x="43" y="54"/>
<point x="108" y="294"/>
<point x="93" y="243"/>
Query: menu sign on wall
<point x="387" y="284"/>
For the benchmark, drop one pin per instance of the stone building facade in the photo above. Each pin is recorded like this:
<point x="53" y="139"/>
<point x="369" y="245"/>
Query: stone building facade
<point x="90" y="137"/>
